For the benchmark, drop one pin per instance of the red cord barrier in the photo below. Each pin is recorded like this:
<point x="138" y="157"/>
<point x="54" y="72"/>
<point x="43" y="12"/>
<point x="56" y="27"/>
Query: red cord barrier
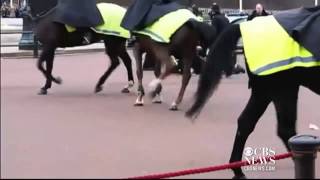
<point x="209" y="169"/>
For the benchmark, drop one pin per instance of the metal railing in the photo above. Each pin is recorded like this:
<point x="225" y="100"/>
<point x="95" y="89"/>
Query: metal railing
<point x="35" y="41"/>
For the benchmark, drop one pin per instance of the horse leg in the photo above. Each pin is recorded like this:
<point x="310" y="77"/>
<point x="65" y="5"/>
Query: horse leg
<point x="47" y="56"/>
<point x="157" y="71"/>
<point x="112" y="51"/>
<point x="137" y="52"/>
<point x="40" y="62"/>
<point x="128" y="64"/>
<point x="285" y="101"/>
<point x="247" y="121"/>
<point x="162" y="54"/>
<point x="187" y="63"/>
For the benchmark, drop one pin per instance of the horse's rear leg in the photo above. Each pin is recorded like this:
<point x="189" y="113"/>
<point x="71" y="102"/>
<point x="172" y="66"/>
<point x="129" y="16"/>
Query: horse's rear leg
<point x="162" y="55"/>
<point x="128" y="64"/>
<point x="157" y="72"/>
<point x="137" y="52"/>
<point x="285" y="101"/>
<point x="47" y="56"/>
<point x="113" y="52"/>
<point x="185" y="80"/>
<point x="247" y="121"/>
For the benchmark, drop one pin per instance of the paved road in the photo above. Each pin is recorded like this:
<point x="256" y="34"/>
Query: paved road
<point x="73" y="133"/>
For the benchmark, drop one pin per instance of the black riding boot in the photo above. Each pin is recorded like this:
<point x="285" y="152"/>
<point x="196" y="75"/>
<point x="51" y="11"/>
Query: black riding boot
<point x="87" y="35"/>
<point x="87" y="38"/>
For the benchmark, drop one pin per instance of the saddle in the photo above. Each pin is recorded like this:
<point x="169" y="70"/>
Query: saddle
<point x="162" y="29"/>
<point x="145" y="12"/>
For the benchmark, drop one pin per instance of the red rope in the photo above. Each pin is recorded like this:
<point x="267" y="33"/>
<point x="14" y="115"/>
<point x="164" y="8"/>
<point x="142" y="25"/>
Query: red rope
<point x="209" y="169"/>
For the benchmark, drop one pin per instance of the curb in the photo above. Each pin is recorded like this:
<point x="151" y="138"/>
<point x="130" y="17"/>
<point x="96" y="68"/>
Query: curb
<point x="28" y="54"/>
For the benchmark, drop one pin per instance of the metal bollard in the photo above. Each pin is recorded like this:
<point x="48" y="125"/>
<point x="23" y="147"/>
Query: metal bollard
<point x="35" y="46"/>
<point x="304" y="150"/>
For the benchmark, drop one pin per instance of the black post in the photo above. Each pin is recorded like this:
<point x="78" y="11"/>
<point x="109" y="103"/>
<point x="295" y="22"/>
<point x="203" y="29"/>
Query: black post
<point x="304" y="150"/>
<point x="33" y="9"/>
<point x="26" y="41"/>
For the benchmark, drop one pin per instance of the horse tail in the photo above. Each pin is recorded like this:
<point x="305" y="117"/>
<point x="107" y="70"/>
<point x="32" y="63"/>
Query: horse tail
<point x="218" y="61"/>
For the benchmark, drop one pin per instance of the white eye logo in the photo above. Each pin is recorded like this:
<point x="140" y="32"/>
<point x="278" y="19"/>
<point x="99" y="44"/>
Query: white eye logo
<point x="248" y="151"/>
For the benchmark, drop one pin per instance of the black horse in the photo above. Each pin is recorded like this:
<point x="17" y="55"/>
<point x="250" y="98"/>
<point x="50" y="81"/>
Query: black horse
<point x="280" y="88"/>
<point x="183" y="46"/>
<point x="53" y="35"/>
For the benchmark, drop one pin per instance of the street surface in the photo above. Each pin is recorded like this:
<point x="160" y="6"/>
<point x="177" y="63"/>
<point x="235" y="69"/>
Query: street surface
<point x="74" y="133"/>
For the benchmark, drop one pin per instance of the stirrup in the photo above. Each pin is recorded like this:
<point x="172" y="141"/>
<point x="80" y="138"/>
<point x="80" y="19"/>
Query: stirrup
<point x="85" y="40"/>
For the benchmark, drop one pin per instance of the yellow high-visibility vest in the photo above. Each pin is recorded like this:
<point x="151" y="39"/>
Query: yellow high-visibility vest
<point x="162" y="29"/>
<point x="270" y="49"/>
<point x="112" y="15"/>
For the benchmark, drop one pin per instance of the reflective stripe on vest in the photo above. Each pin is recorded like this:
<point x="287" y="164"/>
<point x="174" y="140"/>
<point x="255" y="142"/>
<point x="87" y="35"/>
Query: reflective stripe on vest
<point x="270" y="49"/>
<point x="112" y="15"/>
<point x="162" y="29"/>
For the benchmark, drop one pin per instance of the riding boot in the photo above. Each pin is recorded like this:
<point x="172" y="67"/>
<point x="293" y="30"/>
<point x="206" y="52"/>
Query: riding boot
<point x="87" y="35"/>
<point x="87" y="38"/>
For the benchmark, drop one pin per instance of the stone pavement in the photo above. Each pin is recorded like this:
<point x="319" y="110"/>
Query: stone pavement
<point x="74" y="133"/>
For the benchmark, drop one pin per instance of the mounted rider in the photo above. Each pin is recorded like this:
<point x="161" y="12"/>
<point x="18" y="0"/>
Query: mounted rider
<point x="78" y="14"/>
<point x="144" y="12"/>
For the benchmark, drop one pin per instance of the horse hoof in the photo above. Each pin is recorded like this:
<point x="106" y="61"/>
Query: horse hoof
<point x="130" y="84"/>
<point x="59" y="80"/>
<point x="239" y="177"/>
<point x="125" y="90"/>
<point x="139" y="102"/>
<point x="43" y="92"/>
<point x="153" y="94"/>
<point x="98" y="89"/>
<point x="174" y="107"/>
<point x="157" y="99"/>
